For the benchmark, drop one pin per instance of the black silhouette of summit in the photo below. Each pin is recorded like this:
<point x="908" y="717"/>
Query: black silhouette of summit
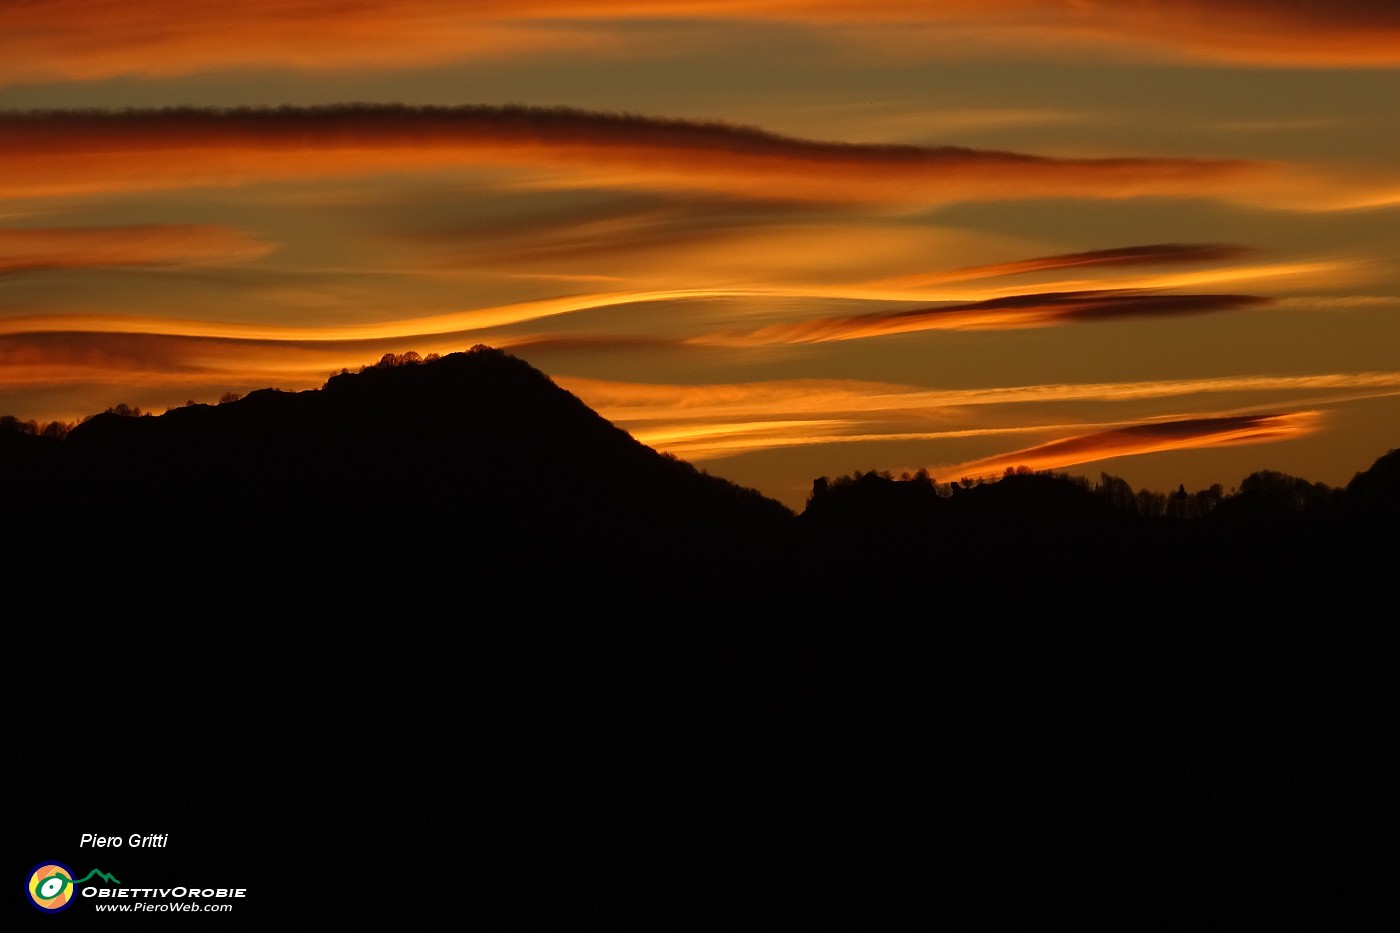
<point x="470" y="469"/>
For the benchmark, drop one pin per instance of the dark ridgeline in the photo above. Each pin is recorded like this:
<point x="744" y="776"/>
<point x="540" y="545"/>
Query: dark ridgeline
<point x="404" y="485"/>
<point x="441" y="619"/>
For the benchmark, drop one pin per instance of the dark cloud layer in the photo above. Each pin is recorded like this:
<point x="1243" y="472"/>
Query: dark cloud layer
<point x="1150" y="255"/>
<point x="45" y="152"/>
<point x="1017" y="311"/>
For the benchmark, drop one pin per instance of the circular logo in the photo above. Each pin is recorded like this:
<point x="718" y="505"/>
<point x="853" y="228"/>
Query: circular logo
<point x="51" y="887"/>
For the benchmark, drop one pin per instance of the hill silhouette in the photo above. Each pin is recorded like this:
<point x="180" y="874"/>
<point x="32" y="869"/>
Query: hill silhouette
<point x="439" y="619"/>
<point x="393" y="480"/>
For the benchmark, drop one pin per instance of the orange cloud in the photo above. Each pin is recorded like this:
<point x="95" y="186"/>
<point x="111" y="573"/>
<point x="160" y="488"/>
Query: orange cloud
<point x="88" y="39"/>
<point x="716" y="441"/>
<point x="1016" y="311"/>
<point x="45" y="153"/>
<point x="1294" y="33"/>
<point x="85" y="39"/>
<point x="727" y="244"/>
<point x="56" y="358"/>
<point x="703" y="422"/>
<point x="27" y="249"/>
<point x="711" y="422"/>
<point x="1147" y="438"/>
<point x="457" y="322"/>
<point x="1299" y="274"/>
<point x="638" y="403"/>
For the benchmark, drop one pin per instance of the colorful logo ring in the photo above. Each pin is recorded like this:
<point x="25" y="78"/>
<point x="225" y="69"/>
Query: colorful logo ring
<point x="50" y="887"/>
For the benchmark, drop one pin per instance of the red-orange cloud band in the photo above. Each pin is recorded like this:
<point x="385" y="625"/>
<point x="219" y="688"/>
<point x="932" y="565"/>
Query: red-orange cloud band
<point x="1147" y="438"/>
<point x="48" y="39"/>
<point x="60" y="152"/>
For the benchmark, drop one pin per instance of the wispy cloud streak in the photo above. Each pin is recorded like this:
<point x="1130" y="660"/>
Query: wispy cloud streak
<point x="46" y="153"/>
<point x="712" y="422"/>
<point x="1157" y="254"/>
<point x="32" y="249"/>
<point x="1019" y="311"/>
<point x="635" y="403"/>
<point x="1147" y="438"/>
<point x="85" y="39"/>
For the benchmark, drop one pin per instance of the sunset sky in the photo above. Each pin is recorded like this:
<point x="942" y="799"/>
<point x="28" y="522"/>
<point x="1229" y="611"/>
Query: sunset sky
<point x="777" y="238"/>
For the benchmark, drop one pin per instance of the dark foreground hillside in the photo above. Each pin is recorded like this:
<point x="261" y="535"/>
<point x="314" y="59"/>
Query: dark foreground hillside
<point x="438" y="645"/>
<point x="472" y="475"/>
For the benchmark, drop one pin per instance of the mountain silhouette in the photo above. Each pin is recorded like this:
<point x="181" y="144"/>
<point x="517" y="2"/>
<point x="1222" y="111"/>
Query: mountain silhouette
<point x="399" y="478"/>
<point x="1375" y="493"/>
<point x="441" y="621"/>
